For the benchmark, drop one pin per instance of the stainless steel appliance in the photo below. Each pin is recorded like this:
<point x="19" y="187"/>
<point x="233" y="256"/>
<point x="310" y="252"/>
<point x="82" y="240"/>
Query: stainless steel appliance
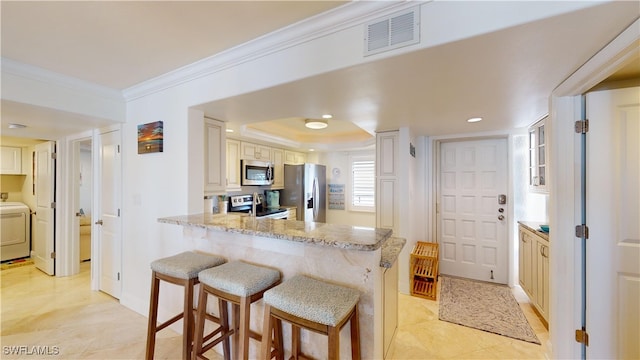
<point x="256" y="172"/>
<point x="305" y="187"/>
<point x="245" y="204"/>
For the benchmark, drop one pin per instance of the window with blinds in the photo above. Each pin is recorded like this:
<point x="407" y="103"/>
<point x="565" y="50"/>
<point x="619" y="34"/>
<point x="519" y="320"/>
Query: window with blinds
<point x="363" y="183"/>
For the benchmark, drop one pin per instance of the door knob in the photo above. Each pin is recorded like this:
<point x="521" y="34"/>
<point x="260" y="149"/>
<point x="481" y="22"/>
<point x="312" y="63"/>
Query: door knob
<point x="501" y="210"/>
<point x="500" y="217"/>
<point x="99" y="222"/>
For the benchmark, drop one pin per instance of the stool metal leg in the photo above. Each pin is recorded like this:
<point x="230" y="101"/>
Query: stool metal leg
<point x="153" y="316"/>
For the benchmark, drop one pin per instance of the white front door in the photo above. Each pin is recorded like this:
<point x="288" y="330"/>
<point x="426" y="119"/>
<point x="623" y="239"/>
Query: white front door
<point x="473" y="230"/>
<point x="613" y="219"/>
<point x="109" y="223"/>
<point x="44" y="229"/>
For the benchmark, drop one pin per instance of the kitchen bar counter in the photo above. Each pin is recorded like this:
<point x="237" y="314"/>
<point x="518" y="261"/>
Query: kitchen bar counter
<point x="345" y="255"/>
<point x="322" y="234"/>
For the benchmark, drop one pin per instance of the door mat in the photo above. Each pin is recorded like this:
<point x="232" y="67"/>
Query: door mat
<point x="15" y="263"/>
<point x="484" y="306"/>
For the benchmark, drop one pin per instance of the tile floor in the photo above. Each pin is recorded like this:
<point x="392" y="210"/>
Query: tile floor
<point x="63" y="319"/>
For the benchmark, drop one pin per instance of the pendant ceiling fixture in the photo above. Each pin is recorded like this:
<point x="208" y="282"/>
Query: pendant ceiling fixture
<point x="316" y="123"/>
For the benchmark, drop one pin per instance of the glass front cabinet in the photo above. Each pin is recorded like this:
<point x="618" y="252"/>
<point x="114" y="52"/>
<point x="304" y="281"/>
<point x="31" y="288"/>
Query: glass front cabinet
<point x="538" y="169"/>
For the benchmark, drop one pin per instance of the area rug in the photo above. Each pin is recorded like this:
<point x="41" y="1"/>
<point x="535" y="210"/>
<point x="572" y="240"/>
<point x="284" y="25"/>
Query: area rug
<point x="15" y="263"/>
<point x="483" y="306"/>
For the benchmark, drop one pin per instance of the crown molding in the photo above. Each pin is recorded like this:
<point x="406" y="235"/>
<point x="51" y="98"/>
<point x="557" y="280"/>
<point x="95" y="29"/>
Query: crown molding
<point x="340" y="18"/>
<point x="56" y="79"/>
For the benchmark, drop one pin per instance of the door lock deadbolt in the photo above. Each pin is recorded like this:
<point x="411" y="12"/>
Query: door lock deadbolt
<point x="501" y="210"/>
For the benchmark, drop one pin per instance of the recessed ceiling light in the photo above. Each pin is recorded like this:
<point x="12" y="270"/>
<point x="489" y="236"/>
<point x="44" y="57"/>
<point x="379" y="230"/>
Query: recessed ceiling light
<point x="312" y="149"/>
<point x="229" y="130"/>
<point x="475" y="119"/>
<point x="327" y="116"/>
<point x="315" y="123"/>
<point x="17" y="126"/>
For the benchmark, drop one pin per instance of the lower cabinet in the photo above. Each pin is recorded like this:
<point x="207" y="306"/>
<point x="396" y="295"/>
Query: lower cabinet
<point x="534" y="269"/>
<point x="390" y="307"/>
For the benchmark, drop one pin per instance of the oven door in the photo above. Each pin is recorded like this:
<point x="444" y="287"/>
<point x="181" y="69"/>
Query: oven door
<point x="256" y="172"/>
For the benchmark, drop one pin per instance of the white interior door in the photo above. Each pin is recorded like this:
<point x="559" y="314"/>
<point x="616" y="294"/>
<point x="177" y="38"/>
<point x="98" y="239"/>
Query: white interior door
<point x="44" y="229"/>
<point x="613" y="218"/>
<point x="473" y="231"/>
<point x="108" y="223"/>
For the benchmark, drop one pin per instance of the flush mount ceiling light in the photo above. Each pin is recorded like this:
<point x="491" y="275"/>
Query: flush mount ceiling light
<point x="17" y="126"/>
<point x="475" y="119"/>
<point x="315" y="123"/>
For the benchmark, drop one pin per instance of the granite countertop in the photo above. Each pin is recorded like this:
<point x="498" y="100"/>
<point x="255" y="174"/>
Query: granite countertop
<point x="535" y="227"/>
<point x="391" y="250"/>
<point x="322" y="234"/>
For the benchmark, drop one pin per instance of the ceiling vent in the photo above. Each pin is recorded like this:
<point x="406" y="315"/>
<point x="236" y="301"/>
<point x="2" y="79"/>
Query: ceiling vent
<point x="392" y="32"/>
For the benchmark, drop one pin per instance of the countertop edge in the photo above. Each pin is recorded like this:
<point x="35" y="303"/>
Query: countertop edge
<point x="391" y="250"/>
<point x="312" y="240"/>
<point x="534" y="226"/>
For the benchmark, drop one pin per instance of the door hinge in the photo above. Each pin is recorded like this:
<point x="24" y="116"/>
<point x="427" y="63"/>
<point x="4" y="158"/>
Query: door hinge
<point x="582" y="337"/>
<point x="582" y="231"/>
<point x="582" y="126"/>
<point x="118" y="212"/>
<point x="53" y="254"/>
<point x="118" y="276"/>
<point x="53" y="205"/>
<point x="118" y="149"/>
<point x="54" y="156"/>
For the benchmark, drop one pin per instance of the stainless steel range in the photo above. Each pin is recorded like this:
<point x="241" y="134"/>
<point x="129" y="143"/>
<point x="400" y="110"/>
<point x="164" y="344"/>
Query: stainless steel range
<point x="245" y="204"/>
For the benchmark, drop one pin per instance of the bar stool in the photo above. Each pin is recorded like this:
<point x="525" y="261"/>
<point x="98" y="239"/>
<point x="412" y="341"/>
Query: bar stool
<point x="313" y="305"/>
<point x="241" y="284"/>
<point x="181" y="269"/>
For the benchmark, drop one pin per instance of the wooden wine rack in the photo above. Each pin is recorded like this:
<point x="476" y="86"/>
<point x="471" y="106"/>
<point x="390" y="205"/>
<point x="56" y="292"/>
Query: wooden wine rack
<point x="424" y="270"/>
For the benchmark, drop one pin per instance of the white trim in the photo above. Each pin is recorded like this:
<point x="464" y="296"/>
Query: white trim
<point x="56" y="79"/>
<point x="332" y="21"/>
<point x="565" y="315"/>
<point x="612" y="57"/>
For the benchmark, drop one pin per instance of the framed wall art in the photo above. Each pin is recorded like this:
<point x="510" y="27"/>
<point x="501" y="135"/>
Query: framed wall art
<point x="150" y="138"/>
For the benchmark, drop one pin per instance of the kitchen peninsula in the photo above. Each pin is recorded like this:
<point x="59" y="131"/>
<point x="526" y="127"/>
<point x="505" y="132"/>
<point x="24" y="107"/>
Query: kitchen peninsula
<point x="347" y="255"/>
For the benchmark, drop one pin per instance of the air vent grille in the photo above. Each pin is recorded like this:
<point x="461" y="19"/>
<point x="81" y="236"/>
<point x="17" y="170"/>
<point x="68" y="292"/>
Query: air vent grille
<point x="392" y="32"/>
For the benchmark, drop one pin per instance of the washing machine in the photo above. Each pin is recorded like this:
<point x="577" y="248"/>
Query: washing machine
<point x="15" y="231"/>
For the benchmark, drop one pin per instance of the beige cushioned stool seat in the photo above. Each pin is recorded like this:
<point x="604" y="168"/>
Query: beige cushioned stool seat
<point x="186" y="265"/>
<point x="239" y="278"/>
<point x="313" y="300"/>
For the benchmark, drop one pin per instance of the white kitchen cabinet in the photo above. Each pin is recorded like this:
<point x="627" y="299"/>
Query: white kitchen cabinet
<point x="390" y="306"/>
<point x="294" y="157"/>
<point x="534" y="269"/>
<point x="233" y="165"/>
<point x="538" y="157"/>
<point x="277" y="159"/>
<point x="11" y="160"/>
<point x="387" y="162"/>
<point x="253" y="151"/>
<point x="214" y="157"/>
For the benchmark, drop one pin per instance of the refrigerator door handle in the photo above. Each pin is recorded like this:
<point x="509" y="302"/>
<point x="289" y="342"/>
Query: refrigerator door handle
<point x="316" y="195"/>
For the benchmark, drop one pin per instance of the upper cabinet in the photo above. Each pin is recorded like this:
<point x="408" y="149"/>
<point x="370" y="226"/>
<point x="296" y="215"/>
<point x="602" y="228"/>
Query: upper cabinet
<point x="214" y="157"/>
<point x="11" y="160"/>
<point x="538" y="159"/>
<point x="233" y="165"/>
<point x="277" y="159"/>
<point x="294" y="158"/>
<point x="255" y="152"/>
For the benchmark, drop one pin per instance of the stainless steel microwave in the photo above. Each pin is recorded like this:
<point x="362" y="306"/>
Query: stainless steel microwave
<point x="256" y="172"/>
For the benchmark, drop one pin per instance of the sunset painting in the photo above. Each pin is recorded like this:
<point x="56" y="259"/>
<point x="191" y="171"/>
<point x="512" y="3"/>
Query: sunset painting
<point x="150" y="138"/>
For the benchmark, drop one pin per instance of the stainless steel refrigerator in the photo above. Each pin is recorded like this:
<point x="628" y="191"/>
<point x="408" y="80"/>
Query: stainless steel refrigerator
<point x="305" y="187"/>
